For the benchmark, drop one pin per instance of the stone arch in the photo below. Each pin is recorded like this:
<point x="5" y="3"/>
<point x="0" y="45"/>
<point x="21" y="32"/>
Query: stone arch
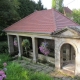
<point x="71" y="43"/>
<point x="75" y="48"/>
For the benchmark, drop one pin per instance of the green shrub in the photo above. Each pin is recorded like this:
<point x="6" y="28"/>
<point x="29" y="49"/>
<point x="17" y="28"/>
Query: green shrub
<point x="16" y="72"/>
<point x="4" y="58"/>
<point x="40" y="76"/>
<point x="3" y="47"/>
<point x="26" y="45"/>
<point x="77" y="78"/>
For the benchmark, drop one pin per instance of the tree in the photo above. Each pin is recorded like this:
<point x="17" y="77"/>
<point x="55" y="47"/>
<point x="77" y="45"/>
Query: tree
<point x="15" y="4"/>
<point x="13" y="10"/>
<point x="8" y="15"/>
<point x="58" y="5"/>
<point x="39" y="5"/>
<point x="76" y="16"/>
<point x="54" y="4"/>
<point x="28" y="6"/>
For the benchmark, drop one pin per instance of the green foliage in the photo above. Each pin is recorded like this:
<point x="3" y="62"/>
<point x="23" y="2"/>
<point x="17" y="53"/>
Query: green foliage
<point x="58" y="5"/>
<point x="54" y="4"/>
<point x="16" y="72"/>
<point x="25" y="6"/>
<point x="77" y="77"/>
<point x="39" y="5"/>
<point x="76" y="16"/>
<point x="40" y="76"/>
<point x="15" y="3"/>
<point x="61" y="6"/>
<point x="3" y="58"/>
<point x="13" y="10"/>
<point x="3" y="47"/>
<point x="28" y="6"/>
<point x="8" y="14"/>
<point x="26" y="43"/>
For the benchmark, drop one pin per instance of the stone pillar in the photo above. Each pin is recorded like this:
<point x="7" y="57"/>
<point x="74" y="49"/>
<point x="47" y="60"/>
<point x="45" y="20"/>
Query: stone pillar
<point x="61" y="57"/>
<point x="77" y="64"/>
<point x="72" y="53"/>
<point x="10" y="43"/>
<point x="77" y="60"/>
<point x="20" y="48"/>
<point x="35" y="49"/>
<point x="57" y="56"/>
<point x="67" y="52"/>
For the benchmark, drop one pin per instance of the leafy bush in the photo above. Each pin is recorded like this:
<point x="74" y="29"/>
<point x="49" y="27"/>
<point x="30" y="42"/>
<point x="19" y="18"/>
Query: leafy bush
<point x="3" y="58"/>
<point x="40" y="76"/>
<point x="77" y="77"/>
<point x="3" y="47"/>
<point x="16" y="72"/>
<point x="26" y="45"/>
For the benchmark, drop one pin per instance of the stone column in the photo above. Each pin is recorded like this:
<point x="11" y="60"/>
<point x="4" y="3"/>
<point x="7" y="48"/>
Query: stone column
<point x="77" y="64"/>
<point x="57" y="55"/>
<point x="10" y="43"/>
<point x="61" y="58"/>
<point x="20" y="48"/>
<point x="67" y="52"/>
<point x="77" y="59"/>
<point x="35" y="49"/>
<point x="72" y="53"/>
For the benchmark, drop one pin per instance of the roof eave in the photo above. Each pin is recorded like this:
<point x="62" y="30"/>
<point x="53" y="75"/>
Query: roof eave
<point x="28" y="32"/>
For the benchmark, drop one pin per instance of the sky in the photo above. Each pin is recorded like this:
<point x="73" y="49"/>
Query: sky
<point x="72" y="4"/>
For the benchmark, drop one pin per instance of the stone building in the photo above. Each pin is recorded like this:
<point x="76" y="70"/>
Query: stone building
<point x="68" y="12"/>
<point x="49" y="25"/>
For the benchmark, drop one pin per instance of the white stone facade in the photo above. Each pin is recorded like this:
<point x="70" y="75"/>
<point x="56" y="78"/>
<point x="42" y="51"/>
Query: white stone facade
<point x="69" y="37"/>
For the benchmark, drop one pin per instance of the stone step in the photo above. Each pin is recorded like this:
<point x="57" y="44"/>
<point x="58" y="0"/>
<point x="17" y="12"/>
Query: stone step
<point x="69" y="67"/>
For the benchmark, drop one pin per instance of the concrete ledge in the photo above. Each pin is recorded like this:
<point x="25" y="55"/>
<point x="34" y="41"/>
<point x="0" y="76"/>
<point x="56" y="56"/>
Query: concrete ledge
<point x="42" y="57"/>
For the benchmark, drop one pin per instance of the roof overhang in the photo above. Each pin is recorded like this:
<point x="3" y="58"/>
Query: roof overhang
<point x="74" y="32"/>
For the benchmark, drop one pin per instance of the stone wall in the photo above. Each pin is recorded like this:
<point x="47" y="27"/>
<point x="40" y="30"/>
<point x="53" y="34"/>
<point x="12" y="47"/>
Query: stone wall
<point x="75" y="43"/>
<point x="42" y="57"/>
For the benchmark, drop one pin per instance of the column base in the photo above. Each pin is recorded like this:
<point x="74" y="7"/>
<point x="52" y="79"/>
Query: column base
<point x="34" y="61"/>
<point x="19" y="55"/>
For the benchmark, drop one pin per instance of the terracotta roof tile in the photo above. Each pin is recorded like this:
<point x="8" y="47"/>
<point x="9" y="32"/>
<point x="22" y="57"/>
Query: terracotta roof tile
<point x="63" y="21"/>
<point x="45" y="21"/>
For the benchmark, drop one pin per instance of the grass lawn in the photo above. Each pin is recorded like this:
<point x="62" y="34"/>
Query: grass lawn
<point x="16" y="72"/>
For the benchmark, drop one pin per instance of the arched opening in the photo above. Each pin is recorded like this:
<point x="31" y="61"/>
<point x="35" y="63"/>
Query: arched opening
<point x="67" y="53"/>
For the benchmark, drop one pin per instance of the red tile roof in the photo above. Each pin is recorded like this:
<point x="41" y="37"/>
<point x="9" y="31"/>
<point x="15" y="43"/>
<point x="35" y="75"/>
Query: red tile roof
<point x="45" y="21"/>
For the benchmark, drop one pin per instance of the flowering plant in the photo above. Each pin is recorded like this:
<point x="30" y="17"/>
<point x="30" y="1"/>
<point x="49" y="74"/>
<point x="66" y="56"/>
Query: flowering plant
<point x="4" y="64"/>
<point x="26" y="45"/>
<point x="2" y="75"/>
<point x="44" y="48"/>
